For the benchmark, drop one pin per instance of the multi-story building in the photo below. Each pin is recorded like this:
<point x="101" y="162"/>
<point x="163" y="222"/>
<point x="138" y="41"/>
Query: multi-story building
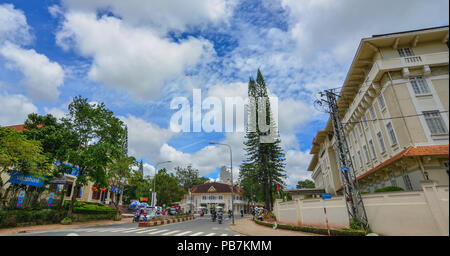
<point x="394" y="106"/>
<point x="225" y="175"/>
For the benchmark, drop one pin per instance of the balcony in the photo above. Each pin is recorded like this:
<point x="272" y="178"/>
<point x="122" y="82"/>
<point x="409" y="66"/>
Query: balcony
<point x="369" y="89"/>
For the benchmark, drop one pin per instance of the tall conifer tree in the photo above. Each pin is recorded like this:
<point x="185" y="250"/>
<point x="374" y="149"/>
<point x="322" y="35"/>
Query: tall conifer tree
<point x="265" y="162"/>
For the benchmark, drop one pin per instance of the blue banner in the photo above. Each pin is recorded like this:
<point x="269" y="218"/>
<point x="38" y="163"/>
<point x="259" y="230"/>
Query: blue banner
<point x="50" y="199"/>
<point x="20" y="200"/>
<point x="74" y="170"/>
<point x="29" y="179"/>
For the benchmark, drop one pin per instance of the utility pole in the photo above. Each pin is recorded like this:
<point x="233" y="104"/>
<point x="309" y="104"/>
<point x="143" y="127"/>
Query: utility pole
<point x="352" y="194"/>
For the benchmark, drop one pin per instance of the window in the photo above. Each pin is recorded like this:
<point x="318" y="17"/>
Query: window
<point x="360" y="159"/>
<point x="419" y="85"/>
<point x="360" y="129"/>
<point x="203" y="197"/>
<point x="372" y="149"/>
<point x="382" y="183"/>
<point x="407" y="180"/>
<point x="381" y="101"/>
<point x="381" y="141"/>
<point x="391" y="134"/>
<point x="373" y="115"/>
<point x="393" y="181"/>
<point x="405" y="52"/>
<point x="365" y="121"/>
<point x="366" y="153"/>
<point x="435" y="123"/>
<point x="220" y="197"/>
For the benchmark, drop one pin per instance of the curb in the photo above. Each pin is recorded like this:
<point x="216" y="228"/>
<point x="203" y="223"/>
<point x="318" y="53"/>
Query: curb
<point x="151" y="223"/>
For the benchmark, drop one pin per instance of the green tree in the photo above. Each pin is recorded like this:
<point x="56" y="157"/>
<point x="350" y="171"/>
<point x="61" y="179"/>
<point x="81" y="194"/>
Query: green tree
<point x="100" y="140"/>
<point x="19" y="154"/>
<point x="168" y="189"/>
<point x="306" y="184"/>
<point x="265" y="162"/>
<point x="189" y="177"/>
<point x="119" y="174"/>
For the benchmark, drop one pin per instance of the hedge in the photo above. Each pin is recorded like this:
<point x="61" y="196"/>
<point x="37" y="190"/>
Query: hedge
<point x="388" y="189"/>
<point x="89" y="208"/>
<point x="323" y="231"/>
<point x="14" y="218"/>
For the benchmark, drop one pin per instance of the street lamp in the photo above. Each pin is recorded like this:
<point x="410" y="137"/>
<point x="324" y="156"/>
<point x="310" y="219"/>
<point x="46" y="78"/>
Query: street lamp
<point x="232" y="187"/>
<point x="154" y="181"/>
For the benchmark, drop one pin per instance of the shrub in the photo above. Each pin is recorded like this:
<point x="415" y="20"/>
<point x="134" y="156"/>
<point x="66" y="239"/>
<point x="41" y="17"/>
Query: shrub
<point x="388" y="189"/>
<point x="66" y="221"/>
<point x="323" y="231"/>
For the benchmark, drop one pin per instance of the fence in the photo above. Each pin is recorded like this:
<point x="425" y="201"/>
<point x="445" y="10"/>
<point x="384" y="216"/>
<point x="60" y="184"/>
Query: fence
<point x="394" y="213"/>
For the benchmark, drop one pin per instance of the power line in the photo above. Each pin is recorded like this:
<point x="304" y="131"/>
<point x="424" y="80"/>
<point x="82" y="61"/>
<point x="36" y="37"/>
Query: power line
<point x="390" y="118"/>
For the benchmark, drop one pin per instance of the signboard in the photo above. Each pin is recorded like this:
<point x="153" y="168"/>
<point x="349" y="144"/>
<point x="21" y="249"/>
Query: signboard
<point x="20" y="200"/>
<point x="326" y="196"/>
<point x="144" y="199"/>
<point x="74" y="170"/>
<point x="59" y="180"/>
<point x="29" y="179"/>
<point x="50" y="199"/>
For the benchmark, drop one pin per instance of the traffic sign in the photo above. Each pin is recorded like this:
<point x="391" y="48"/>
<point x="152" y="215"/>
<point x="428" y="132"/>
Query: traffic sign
<point x="326" y="196"/>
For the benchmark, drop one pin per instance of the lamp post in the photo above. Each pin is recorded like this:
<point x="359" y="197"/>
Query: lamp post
<point x="232" y="187"/>
<point x="154" y="181"/>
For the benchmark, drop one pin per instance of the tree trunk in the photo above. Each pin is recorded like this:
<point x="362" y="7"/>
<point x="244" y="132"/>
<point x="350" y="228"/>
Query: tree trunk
<point x="72" y="201"/>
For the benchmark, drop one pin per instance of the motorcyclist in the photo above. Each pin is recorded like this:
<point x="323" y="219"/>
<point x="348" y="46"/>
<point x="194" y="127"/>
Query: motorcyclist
<point x="242" y="213"/>
<point x="220" y="215"/>
<point x="213" y="214"/>
<point x="137" y="214"/>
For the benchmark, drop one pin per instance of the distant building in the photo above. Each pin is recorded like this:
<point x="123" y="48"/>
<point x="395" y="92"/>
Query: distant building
<point x="394" y="106"/>
<point x="225" y="175"/>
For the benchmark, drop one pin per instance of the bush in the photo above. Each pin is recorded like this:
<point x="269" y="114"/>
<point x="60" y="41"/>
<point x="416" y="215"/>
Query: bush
<point x="388" y="189"/>
<point x="89" y="208"/>
<point x="66" y="221"/>
<point x="323" y="231"/>
<point x="22" y="217"/>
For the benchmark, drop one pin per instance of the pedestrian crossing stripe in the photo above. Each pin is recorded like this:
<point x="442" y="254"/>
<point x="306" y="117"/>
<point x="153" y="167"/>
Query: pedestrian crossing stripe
<point x="224" y="235"/>
<point x="170" y="232"/>
<point x="132" y="230"/>
<point x="147" y="230"/>
<point x="183" y="233"/>
<point x="197" y="234"/>
<point x="158" y="231"/>
<point x="124" y="229"/>
<point x="210" y="234"/>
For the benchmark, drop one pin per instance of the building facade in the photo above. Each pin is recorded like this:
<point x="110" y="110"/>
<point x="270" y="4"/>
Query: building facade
<point x="394" y="107"/>
<point x="213" y="194"/>
<point x="225" y="175"/>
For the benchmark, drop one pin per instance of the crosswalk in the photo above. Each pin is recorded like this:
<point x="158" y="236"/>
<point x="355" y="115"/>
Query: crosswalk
<point x="151" y="231"/>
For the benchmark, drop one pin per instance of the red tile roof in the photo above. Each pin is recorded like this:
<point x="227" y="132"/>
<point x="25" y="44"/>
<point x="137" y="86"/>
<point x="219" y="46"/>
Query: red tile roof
<point x="438" y="150"/>
<point x="19" y="127"/>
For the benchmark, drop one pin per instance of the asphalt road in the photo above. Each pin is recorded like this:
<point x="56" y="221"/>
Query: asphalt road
<point x="201" y="226"/>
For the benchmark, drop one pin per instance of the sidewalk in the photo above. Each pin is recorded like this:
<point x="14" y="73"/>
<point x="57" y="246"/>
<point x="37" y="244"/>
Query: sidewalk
<point x="248" y="227"/>
<point x="9" y="231"/>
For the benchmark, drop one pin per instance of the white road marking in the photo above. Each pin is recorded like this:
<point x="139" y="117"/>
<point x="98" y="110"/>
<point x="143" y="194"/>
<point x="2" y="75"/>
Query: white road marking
<point x="224" y="235"/>
<point x="210" y="234"/>
<point x="170" y="232"/>
<point x="183" y="233"/>
<point x="159" y="231"/>
<point x="72" y="234"/>
<point x="147" y="230"/>
<point x="197" y="234"/>
<point x="132" y="230"/>
<point x="123" y="229"/>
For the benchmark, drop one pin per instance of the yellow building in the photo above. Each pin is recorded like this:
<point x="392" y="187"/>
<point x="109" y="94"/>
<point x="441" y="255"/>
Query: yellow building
<point x="214" y="194"/>
<point x="394" y="106"/>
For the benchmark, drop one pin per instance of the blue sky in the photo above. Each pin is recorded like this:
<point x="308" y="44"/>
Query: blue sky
<point x="137" y="56"/>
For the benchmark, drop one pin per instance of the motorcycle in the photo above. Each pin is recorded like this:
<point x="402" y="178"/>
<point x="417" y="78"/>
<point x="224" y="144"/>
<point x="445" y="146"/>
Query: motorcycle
<point x="202" y="213"/>
<point x="213" y="215"/>
<point x="219" y="215"/>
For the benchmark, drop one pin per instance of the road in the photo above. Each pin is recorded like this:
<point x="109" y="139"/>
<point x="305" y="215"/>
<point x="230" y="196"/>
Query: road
<point x="201" y="226"/>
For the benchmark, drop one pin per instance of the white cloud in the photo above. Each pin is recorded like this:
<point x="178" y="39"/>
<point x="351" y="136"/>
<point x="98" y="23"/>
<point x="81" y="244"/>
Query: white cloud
<point x="13" y="25"/>
<point x="144" y="138"/>
<point x="164" y="15"/>
<point x="130" y="58"/>
<point x="296" y="166"/>
<point x="14" y="109"/>
<point x="42" y="76"/>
